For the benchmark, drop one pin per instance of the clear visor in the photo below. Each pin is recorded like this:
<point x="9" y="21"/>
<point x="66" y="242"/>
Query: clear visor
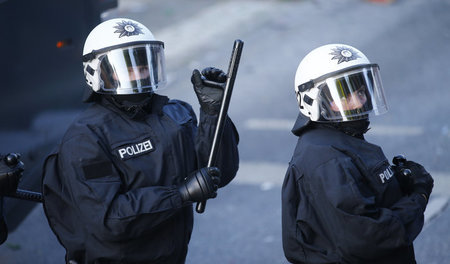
<point x="130" y="70"/>
<point x="352" y="95"/>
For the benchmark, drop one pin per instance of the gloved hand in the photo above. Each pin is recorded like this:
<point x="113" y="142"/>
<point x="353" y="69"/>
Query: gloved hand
<point x="422" y="182"/>
<point x="402" y="174"/>
<point x="404" y="178"/>
<point x="200" y="185"/>
<point x="208" y="96"/>
<point x="11" y="169"/>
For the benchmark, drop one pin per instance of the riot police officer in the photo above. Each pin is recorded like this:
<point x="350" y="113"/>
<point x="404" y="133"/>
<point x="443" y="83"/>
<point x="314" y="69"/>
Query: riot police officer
<point x="120" y="186"/>
<point x="342" y="201"/>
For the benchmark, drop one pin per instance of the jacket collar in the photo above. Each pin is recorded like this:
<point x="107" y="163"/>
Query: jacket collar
<point x="352" y="128"/>
<point x="137" y="111"/>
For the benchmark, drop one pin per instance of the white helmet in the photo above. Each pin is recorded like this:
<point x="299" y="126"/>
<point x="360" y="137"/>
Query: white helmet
<point x="336" y="83"/>
<point x="121" y="56"/>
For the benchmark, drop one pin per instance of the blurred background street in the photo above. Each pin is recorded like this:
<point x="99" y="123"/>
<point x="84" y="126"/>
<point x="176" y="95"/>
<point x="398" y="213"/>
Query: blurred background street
<point x="409" y="39"/>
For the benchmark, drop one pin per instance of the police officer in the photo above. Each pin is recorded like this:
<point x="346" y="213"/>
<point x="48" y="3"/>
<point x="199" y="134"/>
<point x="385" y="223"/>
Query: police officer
<point x="120" y="186"/>
<point x="342" y="201"/>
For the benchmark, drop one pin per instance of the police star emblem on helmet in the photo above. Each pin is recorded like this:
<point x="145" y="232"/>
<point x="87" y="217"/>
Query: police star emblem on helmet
<point x="128" y="28"/>
<point x="344" y="54"/>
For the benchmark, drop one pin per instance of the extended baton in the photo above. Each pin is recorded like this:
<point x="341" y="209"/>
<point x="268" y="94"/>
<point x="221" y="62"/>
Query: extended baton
<point x="231" y="76"/>
<point x="26" y="195"/>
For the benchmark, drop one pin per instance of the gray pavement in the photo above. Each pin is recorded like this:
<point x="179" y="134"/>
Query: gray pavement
<point x="409" y="39"/>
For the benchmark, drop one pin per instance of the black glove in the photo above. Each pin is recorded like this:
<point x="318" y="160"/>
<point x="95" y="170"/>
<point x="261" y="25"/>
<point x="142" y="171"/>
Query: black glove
<point x="422" y="182"/>
<point x="11" y="169"/>
<point x="402" y="174"/>
<point x="209" y="96"/>
<point x="404" y="179"/>
<point x="200" y="185"/>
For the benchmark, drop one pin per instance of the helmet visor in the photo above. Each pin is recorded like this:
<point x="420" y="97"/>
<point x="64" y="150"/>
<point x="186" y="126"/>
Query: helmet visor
<point x="130" y="70"/>
<point x="352" y="95"/>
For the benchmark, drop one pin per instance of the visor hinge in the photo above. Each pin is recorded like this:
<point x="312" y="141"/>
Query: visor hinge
<point x="306" y="86"/>
<point x="88" y="57"/>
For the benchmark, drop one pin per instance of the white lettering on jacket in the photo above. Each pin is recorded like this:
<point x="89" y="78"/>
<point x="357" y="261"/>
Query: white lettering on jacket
<point x="138" y="148"/>
<point x="386" y="174"/>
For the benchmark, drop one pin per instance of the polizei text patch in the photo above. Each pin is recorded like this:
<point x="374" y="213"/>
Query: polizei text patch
<point x="127" y="152"/>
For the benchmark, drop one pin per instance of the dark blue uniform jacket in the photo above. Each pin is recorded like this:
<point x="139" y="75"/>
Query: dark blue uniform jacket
<point x="342" y="204"/>
<point x="110" y="188"/>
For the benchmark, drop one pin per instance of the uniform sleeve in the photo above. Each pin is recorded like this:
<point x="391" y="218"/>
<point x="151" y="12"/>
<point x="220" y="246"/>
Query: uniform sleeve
<point x="352" y="217"/>
<point x="291" y="197"/>
<point x="228" y="156"/>
<point x="104" y="206"/>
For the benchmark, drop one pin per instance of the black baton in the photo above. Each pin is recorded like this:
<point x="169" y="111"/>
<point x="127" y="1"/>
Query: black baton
<point x="231" y="76"/>
<point x="26" y="195"/>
